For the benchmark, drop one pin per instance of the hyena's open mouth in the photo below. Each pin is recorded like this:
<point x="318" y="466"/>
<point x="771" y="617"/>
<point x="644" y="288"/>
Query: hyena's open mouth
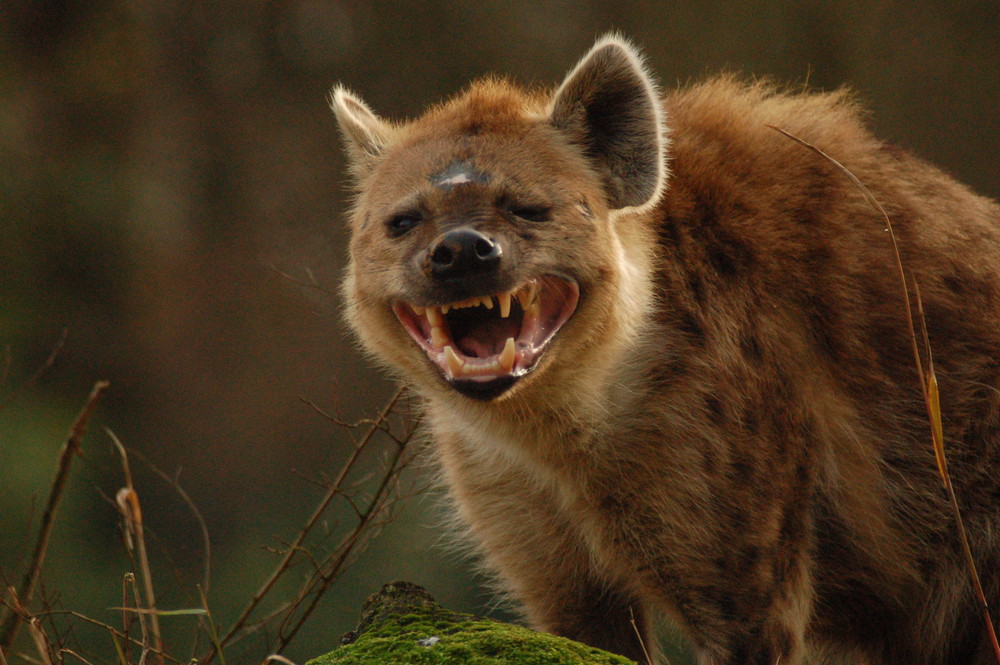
<point x="482" y="345"/>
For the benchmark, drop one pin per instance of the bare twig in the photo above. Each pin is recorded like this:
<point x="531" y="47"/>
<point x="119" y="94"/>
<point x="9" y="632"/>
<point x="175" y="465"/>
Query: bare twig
<point x="115" y="633"/>
<point x="329" y="570"/>
<point x="33" y="379"/>
<point x="127" y="501"/>
<point x="642" y="640"/>
<point x="333" y="491"/>
<point x="70" y="652"/>
<point x="929" y="388"/>
<point x="127" y="603"/>
<point x="175" y="484"/>
<point x="70" y="448"/>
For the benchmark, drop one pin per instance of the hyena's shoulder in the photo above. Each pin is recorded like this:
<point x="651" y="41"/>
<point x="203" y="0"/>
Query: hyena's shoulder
<point x="765" y="244"/>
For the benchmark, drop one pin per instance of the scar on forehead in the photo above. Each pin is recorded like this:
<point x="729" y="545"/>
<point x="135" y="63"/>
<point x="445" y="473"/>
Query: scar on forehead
<point x="459" y="173"/>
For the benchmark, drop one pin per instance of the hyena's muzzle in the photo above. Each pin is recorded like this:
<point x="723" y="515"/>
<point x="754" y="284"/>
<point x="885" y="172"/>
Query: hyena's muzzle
<point x="484" y="343"/>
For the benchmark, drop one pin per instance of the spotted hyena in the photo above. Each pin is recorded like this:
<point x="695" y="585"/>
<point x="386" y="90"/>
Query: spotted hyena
<point x="665" y="361"/>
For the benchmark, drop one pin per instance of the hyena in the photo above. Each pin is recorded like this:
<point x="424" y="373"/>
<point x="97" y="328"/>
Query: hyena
<point x="665" y="360"/>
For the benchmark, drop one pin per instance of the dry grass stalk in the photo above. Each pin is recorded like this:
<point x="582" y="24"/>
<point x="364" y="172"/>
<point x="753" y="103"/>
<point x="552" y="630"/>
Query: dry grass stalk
<point x="33" y="379"/>
<point x="70" y="448"/>
<point x="928" y="386"/>
<point x="127" y="500"/>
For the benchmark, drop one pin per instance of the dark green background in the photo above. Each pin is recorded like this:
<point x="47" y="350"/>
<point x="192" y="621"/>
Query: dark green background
<point x="163" y="164"/>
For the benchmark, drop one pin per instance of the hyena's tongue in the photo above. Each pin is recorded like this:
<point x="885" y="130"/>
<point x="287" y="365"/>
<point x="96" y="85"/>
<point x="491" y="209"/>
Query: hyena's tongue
<point x="479" y="336"/>
<point x="489" y="338"/>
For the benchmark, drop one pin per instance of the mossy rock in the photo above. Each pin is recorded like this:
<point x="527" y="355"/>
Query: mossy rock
<point x="402" y="625"/>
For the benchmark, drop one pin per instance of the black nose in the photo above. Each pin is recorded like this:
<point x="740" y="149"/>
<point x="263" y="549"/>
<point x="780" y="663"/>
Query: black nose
<point x="462" y="252"/>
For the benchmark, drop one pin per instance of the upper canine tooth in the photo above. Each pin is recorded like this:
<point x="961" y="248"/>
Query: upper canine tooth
<point x="527" y="294"/>
<point x="455" y="364"/>
<point x="504" y="300"/>
<point x="506" y="358"/>
<point x="418" y="310"/>
<point x="434" y="316"/>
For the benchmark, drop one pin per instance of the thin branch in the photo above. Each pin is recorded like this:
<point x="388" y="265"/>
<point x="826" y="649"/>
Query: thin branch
<point x="175" y="484"/>
<point x="314" y="518"/>
<point x="70" y="448"/>
<point x="321" y="581"/>
<point x="111" y="629"/>
<point x="33" y="379"/>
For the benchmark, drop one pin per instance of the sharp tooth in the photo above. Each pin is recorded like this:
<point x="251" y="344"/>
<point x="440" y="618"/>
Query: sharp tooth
<point x="445" y="308"/>
<point x="487" y="302"/>
<point x="527" y="295"/>
<point x="455" y="364"/>
<point x="434" y="316"/>
<point x="438" y="337"/>
<point x="504" y="300"/>
<point x="418" y="310"/>
<point x="507" y="355"/>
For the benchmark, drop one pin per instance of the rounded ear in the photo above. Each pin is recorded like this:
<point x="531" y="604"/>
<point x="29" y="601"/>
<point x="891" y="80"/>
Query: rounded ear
<point x="610" y="107"/>
<point x="365" y="134"/>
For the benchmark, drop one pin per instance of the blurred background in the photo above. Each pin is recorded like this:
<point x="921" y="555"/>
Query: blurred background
<point x="171" y="192"/>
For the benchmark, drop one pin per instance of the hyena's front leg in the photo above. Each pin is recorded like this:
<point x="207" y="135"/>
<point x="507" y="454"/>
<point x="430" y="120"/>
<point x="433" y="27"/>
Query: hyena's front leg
<point x="540" y="556"/>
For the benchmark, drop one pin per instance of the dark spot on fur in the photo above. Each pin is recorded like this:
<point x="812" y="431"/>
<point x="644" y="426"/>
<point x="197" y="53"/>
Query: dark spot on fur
<point x="751" y="423"/>
<point x="708" y="462"/>
<point x="727" y="254"/>
<point x="692" y="327"/>
<point x="716" y="409"/>
<point x="750" y="346"/>
<point x="748" y="558"/>
<point x="667" y="370"/>
<point x="696" y="285"/>
<point x="743" y="471"/>
<point x="954" y="284"/>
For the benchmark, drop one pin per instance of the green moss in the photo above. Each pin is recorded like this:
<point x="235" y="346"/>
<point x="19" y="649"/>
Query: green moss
<point x="396" y="630"/>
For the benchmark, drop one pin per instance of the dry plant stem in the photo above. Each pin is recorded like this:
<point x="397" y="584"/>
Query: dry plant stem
<point x="45" y="366"/>
<point x="328" y="572"/>
<point x="128" y="503"/>
<point x="928" y="386"/>
<point x="642" y="642"/>
<point x="931" y="398"/>
<point x="115" y="633"/>
<point x="174" y="483"/>
<point x="129" y="583"/>
<point x="70" y="652"/>
<point x="293" y="549"/>
<point x="70" y="448"/>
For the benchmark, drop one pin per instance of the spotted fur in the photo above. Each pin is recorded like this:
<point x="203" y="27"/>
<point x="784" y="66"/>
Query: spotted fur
<point x="730" y="429"/>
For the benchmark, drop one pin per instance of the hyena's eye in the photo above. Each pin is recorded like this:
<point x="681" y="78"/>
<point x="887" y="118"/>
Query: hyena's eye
<point x="531" y="213"/>
<point x="403" y="222"/>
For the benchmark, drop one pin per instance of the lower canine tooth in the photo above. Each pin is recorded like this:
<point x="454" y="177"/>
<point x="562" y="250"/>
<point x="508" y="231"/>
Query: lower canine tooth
<point x="434" y="316"/>
<point x="455" y="364"/>
<point x="438" y="338"/>
<point x="507" y="355"/>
